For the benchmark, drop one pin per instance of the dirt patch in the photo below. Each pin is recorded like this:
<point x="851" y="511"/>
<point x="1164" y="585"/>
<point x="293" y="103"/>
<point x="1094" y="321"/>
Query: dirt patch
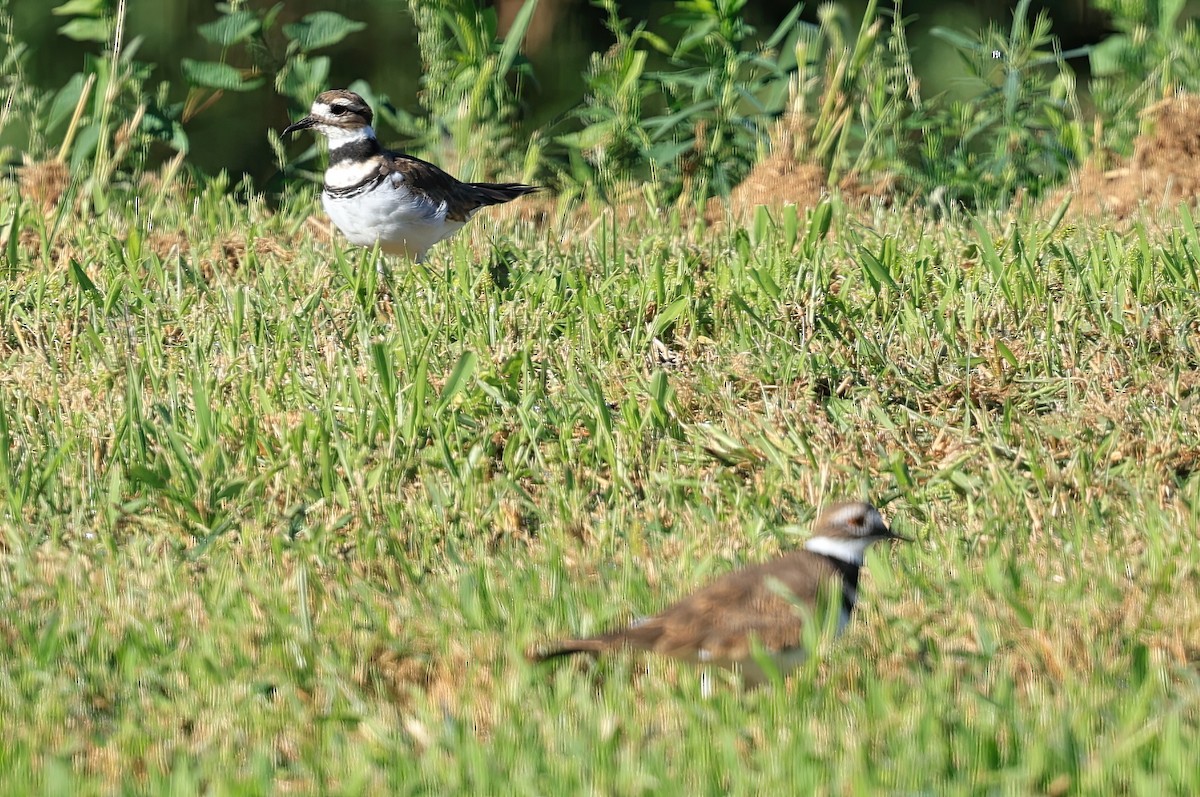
<point x="168" y="244"/>
<point x="783" y="179"/>
<point x="1164" y="169"/>
<point x="42" y="184"/>
<point x="775" y="182"/>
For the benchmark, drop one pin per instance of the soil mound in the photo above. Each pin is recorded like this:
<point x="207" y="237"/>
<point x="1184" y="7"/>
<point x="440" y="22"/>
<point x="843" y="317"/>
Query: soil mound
<point x="1164" y="169"/>
<point x="782" y="179"/>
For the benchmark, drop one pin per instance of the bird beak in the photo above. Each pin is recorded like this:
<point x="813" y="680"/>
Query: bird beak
<point x="303" y="124"/>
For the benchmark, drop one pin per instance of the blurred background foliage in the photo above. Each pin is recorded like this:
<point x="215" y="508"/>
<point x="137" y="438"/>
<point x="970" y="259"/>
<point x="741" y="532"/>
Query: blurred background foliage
<point x="968" y="100"/>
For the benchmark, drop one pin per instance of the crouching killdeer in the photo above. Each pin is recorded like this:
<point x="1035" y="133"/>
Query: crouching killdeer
<point x="374" y="195"/>
<point x="765" y="605"/>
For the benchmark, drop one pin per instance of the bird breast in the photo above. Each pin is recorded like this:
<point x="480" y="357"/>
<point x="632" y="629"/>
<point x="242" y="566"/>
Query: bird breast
<point x="388" y="213"/>
<point x="347" y="174"/>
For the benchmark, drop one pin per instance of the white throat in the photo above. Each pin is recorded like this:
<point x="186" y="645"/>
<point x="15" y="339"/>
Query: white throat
<point x="851" y="550"/>
<point x="340" y="136"/>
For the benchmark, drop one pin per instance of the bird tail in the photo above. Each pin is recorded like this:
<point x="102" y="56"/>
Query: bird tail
<point x="497" y="193"/>
<point x="568" y="647"/>
<point x="640" y="636"/>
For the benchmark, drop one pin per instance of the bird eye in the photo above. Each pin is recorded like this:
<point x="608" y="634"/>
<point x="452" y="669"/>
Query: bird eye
<point x="338" y="110"/>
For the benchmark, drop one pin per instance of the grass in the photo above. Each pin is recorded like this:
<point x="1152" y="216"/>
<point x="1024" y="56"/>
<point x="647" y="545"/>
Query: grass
<point x="272" y="523"/>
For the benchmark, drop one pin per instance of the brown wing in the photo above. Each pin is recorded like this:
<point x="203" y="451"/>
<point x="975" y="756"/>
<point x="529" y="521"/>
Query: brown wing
<point x="437" y="186"/>
<point x="718" y="622"/>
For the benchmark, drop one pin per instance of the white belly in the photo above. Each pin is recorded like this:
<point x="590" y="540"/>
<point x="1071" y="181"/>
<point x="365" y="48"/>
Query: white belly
<point x="392" y="217"/>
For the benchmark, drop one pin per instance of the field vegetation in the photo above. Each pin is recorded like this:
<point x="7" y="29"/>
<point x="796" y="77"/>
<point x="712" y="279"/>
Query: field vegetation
<point x="276" y="520"/>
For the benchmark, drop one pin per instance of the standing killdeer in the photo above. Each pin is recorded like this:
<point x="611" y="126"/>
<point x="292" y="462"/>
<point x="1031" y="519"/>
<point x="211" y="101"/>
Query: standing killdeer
<point x="765" y="605"/>
<point x="374" y="195"/>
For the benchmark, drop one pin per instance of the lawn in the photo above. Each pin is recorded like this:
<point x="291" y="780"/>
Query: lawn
<point x="275" y="522"/>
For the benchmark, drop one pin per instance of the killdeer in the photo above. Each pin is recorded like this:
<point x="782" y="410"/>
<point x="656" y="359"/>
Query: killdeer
<point x="374" y="195"/>
<point x="765" y="605"/>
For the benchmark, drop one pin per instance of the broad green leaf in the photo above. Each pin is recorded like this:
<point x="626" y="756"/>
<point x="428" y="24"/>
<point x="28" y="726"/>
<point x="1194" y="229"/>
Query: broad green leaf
<point x="86" y="29"/>
<point x="959" y="40"/>
<point x="85" y="145"/>
<point x="230" y="29"/>
<point x="318" y="72"/>
<point x="321" y="29"/>
<point x="217" y="76"/>
<point x="1108" y="56"/>
<point x="268" y="19"/>
<point x="88" y="8"/>
<point x="65" y="101"/>
<point x="303" y="77"/>
<point x="1168" y="15"/>
<point x="588" y="138"/>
